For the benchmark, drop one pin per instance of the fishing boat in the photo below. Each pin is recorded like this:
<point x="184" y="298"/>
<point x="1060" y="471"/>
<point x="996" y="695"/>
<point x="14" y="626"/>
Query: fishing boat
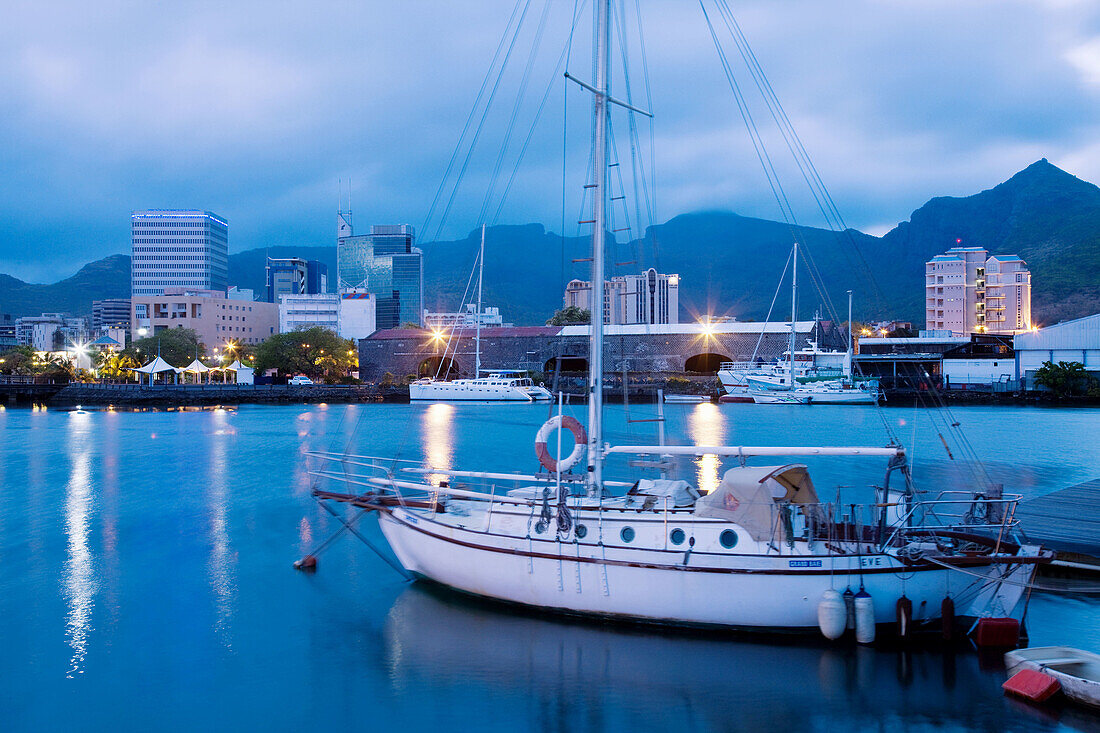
<point x="487" y="385"/>
<point x="759" y="551"/>
<point x="1077" y="671"/>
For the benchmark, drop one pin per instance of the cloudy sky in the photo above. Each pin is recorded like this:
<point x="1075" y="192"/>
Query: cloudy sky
<point x="257" y="110"/>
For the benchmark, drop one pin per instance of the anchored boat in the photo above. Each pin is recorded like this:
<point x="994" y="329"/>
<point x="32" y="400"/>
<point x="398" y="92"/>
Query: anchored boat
<point x="760" y="551"/>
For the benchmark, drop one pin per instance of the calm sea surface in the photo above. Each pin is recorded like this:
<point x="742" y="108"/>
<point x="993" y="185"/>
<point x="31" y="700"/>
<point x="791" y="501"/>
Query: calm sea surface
<point x="147" y="582"/>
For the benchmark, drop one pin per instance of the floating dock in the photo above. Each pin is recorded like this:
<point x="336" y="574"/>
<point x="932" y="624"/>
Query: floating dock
<point x="1068" y="522"/>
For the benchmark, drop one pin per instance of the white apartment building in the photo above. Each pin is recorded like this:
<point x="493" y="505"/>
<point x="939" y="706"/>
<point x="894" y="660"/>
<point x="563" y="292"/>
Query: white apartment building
<point x="298" y="312"/>
<point x="1007" y="295"/>
<point x="647" y="298"/>
<point x="351" y="315"/>
<point x="178" y="248"/>
<point x="967" y="291"/>
<point x="50" y="331"/>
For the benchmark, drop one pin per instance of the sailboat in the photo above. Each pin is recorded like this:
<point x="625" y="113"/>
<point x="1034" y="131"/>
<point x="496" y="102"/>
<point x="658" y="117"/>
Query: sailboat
<point x="761" y="551"/>
<point x="808" y="376"/>
<point x="497" y="385"/>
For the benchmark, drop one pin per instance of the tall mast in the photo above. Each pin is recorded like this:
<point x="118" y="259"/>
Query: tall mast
<point x="480" y="277"/>
<point x="794" y="308"/>
<point x="848" y="359"/>
<point x="599" y="179"/>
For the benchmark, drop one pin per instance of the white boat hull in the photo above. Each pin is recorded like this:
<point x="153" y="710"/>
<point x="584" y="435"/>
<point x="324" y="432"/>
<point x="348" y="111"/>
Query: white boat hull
<point x="779" y="398"/>
<point x="469" y="390"/>
<point x="843" y="397"/>
<point x="1077" y="671"/>
<point x="776" y="592"/>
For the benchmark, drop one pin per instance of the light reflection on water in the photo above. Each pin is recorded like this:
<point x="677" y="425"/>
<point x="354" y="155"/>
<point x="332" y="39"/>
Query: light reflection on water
<point x="78" y="579"/>
<point x="219" y="564"/>
<point x="437" y="434"/>
<point x="707" y="426"/>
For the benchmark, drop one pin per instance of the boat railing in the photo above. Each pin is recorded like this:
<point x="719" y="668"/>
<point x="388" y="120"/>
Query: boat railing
<point x="959" y="511"/>
<point x="729" y="366"/>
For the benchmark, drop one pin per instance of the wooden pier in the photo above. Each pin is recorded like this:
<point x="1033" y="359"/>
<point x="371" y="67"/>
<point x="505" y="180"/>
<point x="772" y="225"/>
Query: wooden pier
<point x="1066" y="521"/>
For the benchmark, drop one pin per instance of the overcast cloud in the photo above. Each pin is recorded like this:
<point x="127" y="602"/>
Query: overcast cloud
<point x="255" y="110"/>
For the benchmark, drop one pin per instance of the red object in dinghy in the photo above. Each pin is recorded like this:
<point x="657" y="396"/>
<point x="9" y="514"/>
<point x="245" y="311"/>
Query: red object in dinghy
<point x="1033" y="685"/>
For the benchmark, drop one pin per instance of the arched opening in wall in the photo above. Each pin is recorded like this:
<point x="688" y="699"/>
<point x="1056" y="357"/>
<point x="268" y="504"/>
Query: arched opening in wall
<point x="705" y="363"/>
<point x="568" y="364"/>
<point x="440" y="367"/>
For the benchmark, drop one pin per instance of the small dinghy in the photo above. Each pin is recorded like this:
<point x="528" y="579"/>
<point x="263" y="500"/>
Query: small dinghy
<point x="1077" y="671"/>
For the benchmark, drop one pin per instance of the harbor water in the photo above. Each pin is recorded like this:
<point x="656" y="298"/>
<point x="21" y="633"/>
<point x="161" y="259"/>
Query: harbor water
<point x="147" y="581"/>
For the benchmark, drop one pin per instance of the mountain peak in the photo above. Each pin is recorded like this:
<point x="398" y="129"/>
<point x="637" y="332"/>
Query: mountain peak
<point x="1044" y="174"/>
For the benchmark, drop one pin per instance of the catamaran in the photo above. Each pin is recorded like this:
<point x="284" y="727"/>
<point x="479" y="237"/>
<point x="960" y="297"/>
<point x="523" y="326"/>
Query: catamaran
<point x="497" y="385"/>
<point x="761" y="550"/>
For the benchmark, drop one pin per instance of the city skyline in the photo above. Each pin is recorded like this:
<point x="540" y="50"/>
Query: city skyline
<point x="234" y="114"/>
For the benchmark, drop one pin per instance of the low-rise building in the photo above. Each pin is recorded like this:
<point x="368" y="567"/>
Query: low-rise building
<point x="50" y="331"/>
<point x="490" y="318"/>
<point x="350" y="314"/>
<point x="214" y="317"/>
<point x="1077" y="340"/>
<point x="358" y="314"/>
<point x="298" y="312"/>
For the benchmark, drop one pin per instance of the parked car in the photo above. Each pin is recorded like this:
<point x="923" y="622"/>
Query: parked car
<point x="301" y="379"/>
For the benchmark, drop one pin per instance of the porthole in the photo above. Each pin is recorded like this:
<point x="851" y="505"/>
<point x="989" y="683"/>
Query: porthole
<point x="728" y="538"/>
<point x="677" y="536"/>
<point x="581" y="531"/>
<point x="627" y="534"/>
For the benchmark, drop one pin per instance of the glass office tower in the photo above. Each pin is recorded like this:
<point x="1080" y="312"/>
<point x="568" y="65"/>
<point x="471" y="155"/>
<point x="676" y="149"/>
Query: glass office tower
<point x="386" y="264"/>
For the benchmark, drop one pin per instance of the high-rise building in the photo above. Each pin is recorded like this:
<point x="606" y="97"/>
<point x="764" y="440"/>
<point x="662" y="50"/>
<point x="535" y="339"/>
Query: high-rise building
<point x="178" y="248"/>
<point x="294" y="276"/>
<point x="110" y="313"/>
<point x="1007" y="295"/>
<point x="386" y="264"/>
<point x="649" y="297"/>
<point x="967" y="291"/>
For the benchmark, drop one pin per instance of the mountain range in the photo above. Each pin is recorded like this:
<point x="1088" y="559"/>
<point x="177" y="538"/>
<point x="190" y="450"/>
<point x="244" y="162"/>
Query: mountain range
<point x="728" y="264"/>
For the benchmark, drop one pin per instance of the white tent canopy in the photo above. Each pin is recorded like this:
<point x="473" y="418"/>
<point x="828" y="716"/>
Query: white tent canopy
<point x="156" y="366"/>
<point x="197" y="367"/>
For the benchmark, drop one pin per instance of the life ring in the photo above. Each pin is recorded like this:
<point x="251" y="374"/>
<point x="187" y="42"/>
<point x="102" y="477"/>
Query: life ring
<point x="580" y="442"/>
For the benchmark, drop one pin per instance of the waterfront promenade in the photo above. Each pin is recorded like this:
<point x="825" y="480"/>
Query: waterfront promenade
<point x="145" y="395"/>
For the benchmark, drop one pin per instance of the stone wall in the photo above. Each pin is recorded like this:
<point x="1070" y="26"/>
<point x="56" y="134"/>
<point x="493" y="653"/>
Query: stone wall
<point x="416" y="352"/>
